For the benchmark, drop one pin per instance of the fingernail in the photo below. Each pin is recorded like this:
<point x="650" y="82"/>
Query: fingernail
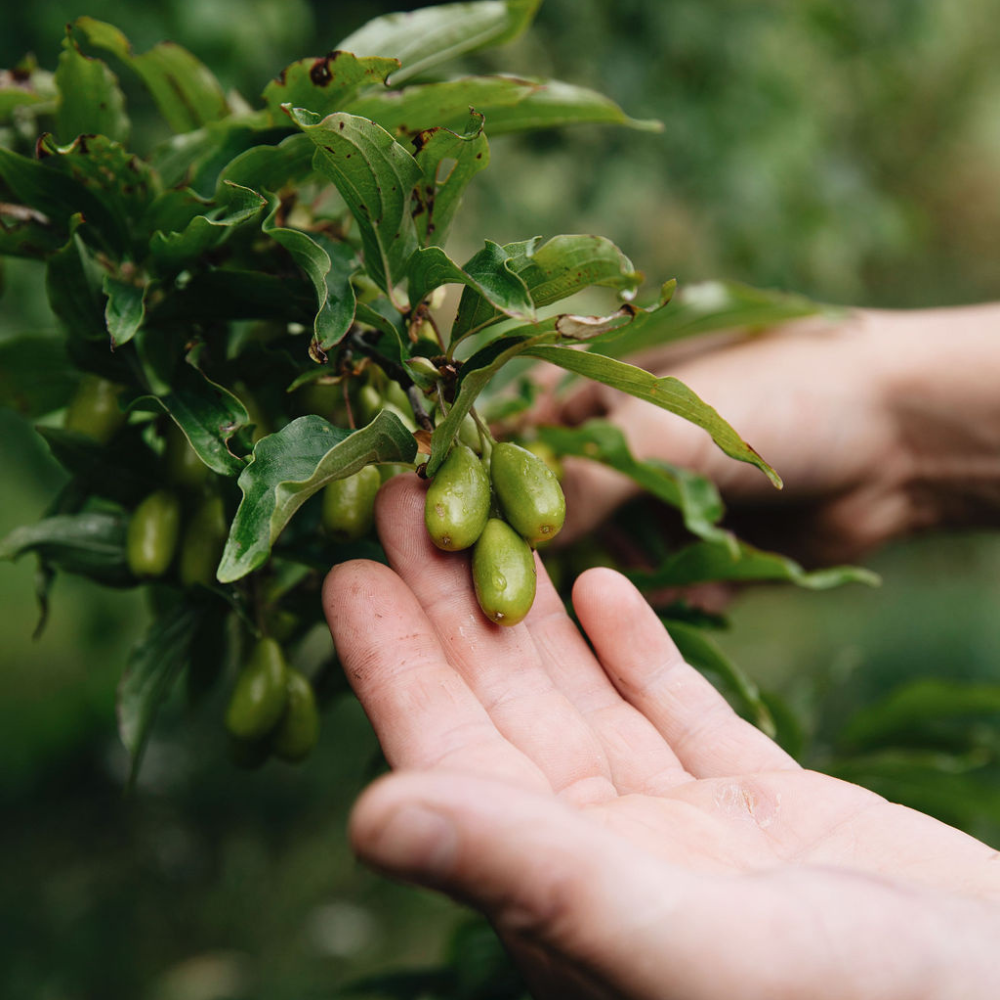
<point x="415" y="841"/>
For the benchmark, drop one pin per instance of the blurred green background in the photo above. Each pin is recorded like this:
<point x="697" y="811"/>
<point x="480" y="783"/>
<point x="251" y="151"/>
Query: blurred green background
<point x="847" y="149"/>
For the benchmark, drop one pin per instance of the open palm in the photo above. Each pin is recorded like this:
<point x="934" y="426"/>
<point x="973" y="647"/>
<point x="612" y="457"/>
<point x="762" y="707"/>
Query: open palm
<point x="626" y="832"/>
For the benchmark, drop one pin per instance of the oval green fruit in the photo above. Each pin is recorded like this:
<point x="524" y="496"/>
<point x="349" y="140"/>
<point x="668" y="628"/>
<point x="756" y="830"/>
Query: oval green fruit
<point x="202" y="544"/>
<point x="152" y="534"/>
<point x="530" y="496"/>
<point x="457" y="504"/>
<point x="184" y="467"/>
<point x="503" y="573"/>
<point x="297" y="730"/>
<point x="94" y="409"/>
<point x="261" y="693"/>
<point x="349" y="504"/>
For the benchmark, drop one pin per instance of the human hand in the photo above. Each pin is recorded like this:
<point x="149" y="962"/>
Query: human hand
<point x="626" y="833"/>
<point x="880" y="426"/>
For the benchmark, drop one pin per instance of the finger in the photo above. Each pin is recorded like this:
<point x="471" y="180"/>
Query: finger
<point x="500" y="664"/>
<point x="422" y="711"/>
<point x="708" y="737"/>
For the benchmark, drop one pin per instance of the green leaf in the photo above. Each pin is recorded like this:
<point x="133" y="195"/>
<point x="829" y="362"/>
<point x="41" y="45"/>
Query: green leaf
<point x="209" y="415"/>
<point x="668" y="393"/>
<point x="554" y="104"/>
<point x="269" y="168"/>
<point x="487" y="273"/>
<point x="90" y="101"/>
<point x="233" y="206"/>
<point x="237" y="294"/>
<point x="154" y="664"/>
<point x="375" y="177"/>
<point x="449" y="160"/>
<point x="703" y="652"/>
<point x="25" y="86"/>
<point x="427" y="37"/>
<point x="474" y="375"/>
<point x="126" y="308"/>
<point x="25" y="232"/>
<point x="91" y="544"/>
<point x="289" y="467"/>
<point x="707" y="562"/>
<point x="36" y="376"/>
<point x="694" y="496"/>
<point x="555" y="270"/>
<point x="424" y="106"/>
<point x="184" y="89"/>
<point x="920" y="709"/>
<point x="126" y="473"/>
<point x="329" y="266"/>
<point x="712" y="306"/>
<point x="326" y="84"/>
<point x="73" y="284"/>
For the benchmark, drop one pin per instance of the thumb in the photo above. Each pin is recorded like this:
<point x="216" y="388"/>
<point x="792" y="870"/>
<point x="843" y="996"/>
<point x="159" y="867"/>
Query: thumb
<point x="543" y="873"/>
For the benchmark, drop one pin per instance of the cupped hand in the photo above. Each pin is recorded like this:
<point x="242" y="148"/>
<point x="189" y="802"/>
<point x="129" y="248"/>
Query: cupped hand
<point x="628" y="834"/>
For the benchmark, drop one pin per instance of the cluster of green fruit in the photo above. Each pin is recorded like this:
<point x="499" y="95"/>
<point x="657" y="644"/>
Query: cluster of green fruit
<point x="502" y="505"/>
<point x="272" y="709"/>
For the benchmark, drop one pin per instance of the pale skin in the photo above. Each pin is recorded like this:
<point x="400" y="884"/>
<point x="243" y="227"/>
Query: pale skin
<point x="624" y="830"/>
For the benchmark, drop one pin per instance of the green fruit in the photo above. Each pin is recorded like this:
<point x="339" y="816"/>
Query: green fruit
<point x="202" y="544"/>
<point x="468" y="434"/>
<point x="184" y="468"/>
<point x="530" y="496"/>
<point x="503" y="572"/>
<point x="457" y="504"/>
<point x="349" y="504"/>
<point x="261" y="693"/>
<point x="94" y="409"/>
<point x="298" y="729"/>
<point x="152" y="534"/>
<point x="547" y="454"/>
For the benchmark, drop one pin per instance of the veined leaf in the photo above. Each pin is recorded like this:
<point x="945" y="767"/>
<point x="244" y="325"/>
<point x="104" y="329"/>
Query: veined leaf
<point x="710" y="306"/>
<point x="487" y="273"/>
<point x="554" y="104"/>
<point x="289" y="467"/>
<point x="90" y="101"/>
<point x="326" y="84"/>
<point x="422" y="106"/>
<point x="329" y="266"/>
<point x="73" y="284"/>
<point x="209" y="415"/>
<point x="125" y="310"/>
<point x="705" y="562"/>
<point x="555" y="270"/>
<point x="35" y="374"/>
<point x="460" y="157"/>
<point x="424" y="38"/>
<point x="694" y="496"/>
<point x="91" y="544"/>
<point x="184" y="89"/>
<point x="703" y="652"/>
<point x="668" y="393"/>
<point x="234" y="205"/>
<point x="154" y="664"/>
<point x="375" y="177"/>
<point x="268" y="168"/>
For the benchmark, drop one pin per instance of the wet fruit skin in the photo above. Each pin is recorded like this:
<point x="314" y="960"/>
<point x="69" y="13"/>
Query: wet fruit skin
<point x="349" y="504"/>
<point x="202" y="544"/>
<point x="297" y="730"/>
<point x="503" y="573"/>
<point x="152" y="534"/>
<point x="530" y="496"/>
<point x="261" y="693"/>
<point x="457" y="504"/>
<point x="94" y="409"/>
